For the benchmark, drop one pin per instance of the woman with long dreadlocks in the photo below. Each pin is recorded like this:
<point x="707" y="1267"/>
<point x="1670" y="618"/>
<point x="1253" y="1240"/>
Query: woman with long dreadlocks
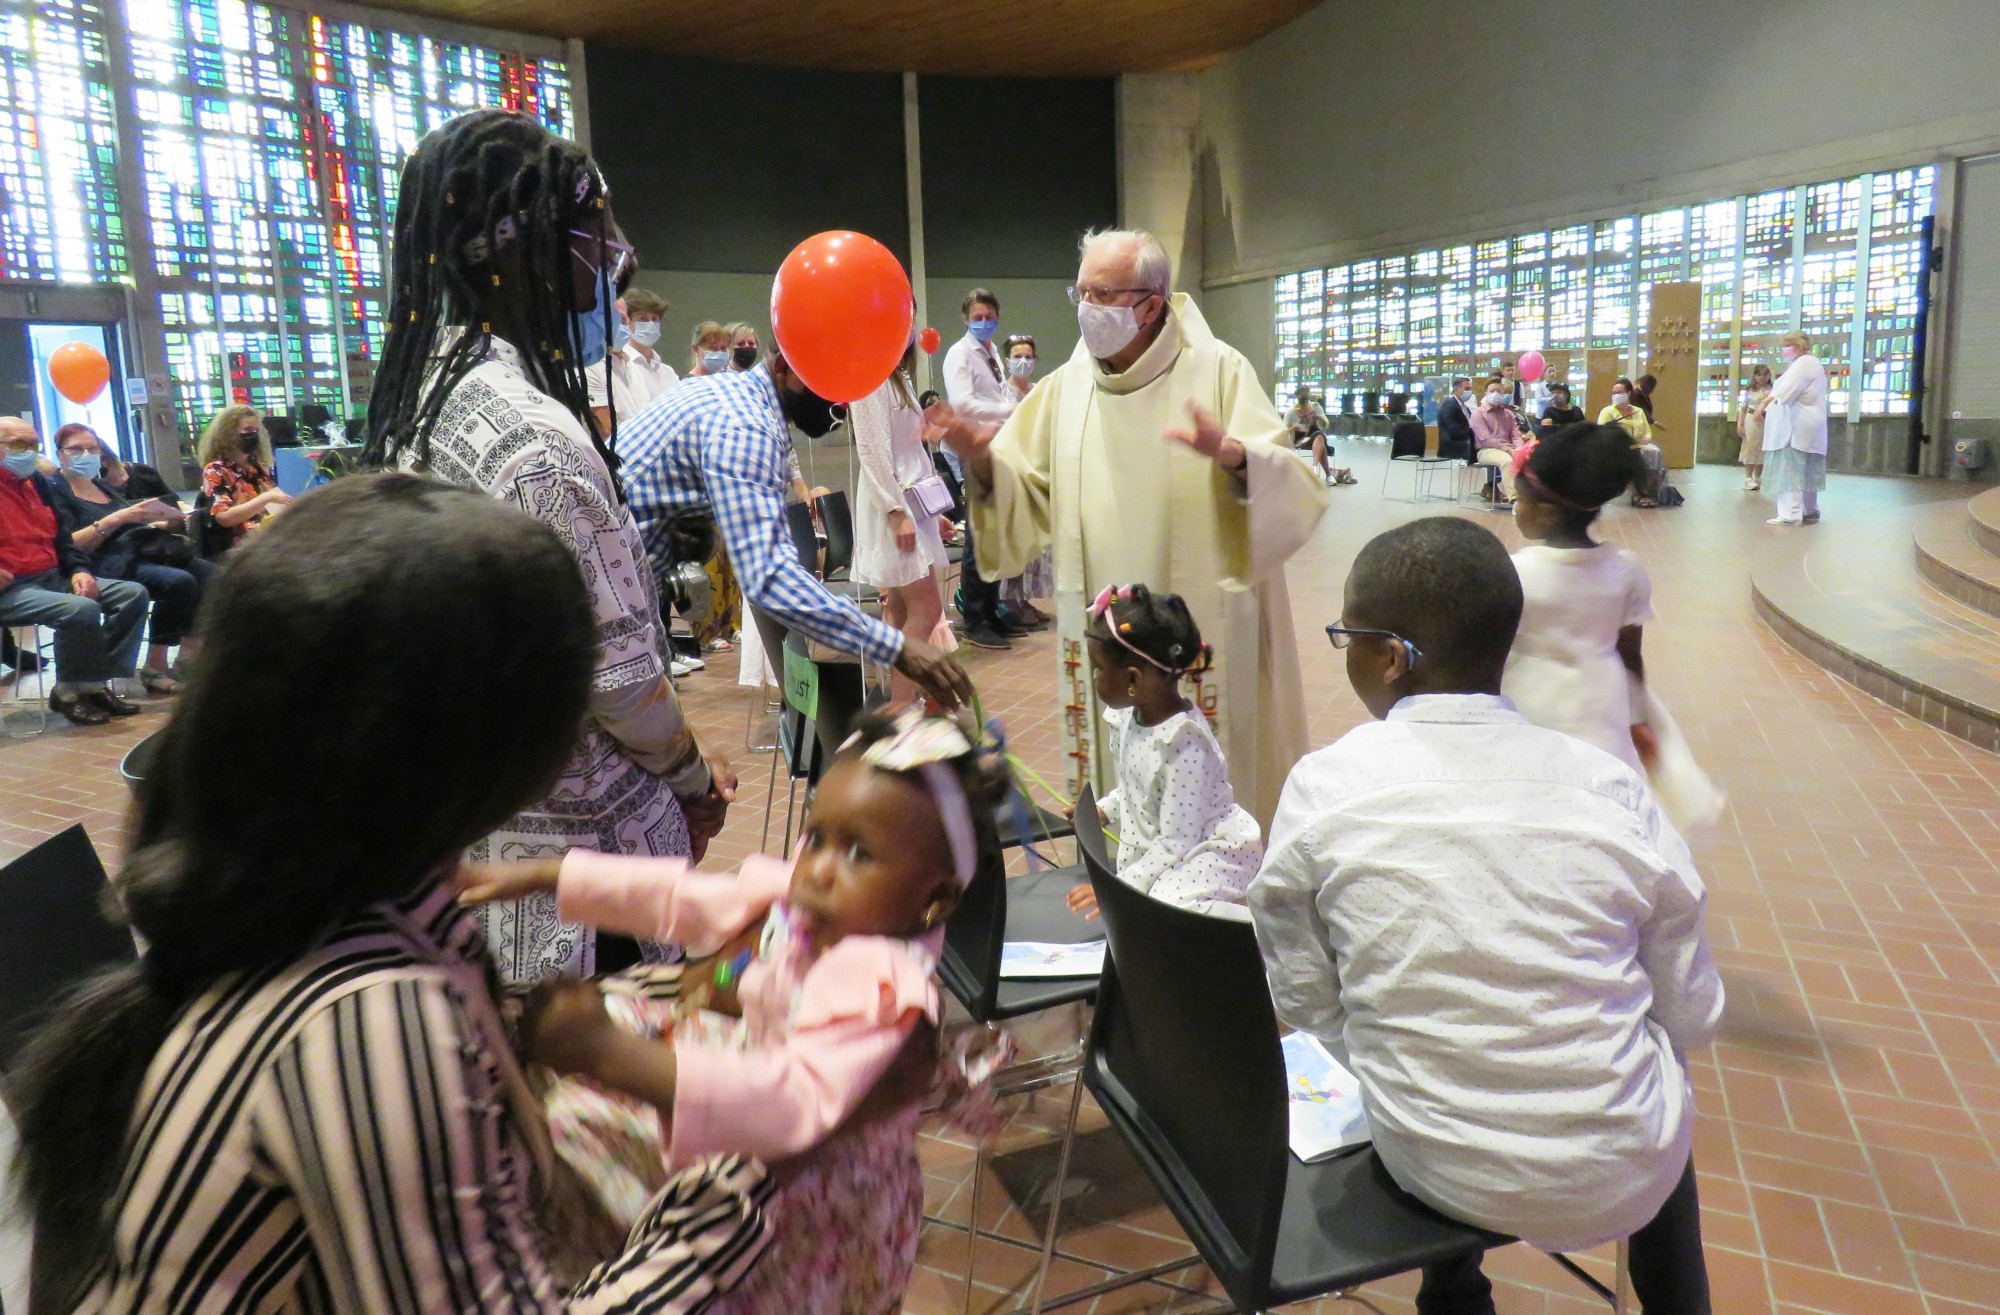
<point x="505" y="263"/>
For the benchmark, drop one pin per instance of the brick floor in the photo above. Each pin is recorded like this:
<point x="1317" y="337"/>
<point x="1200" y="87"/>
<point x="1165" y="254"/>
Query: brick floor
<point x="1850" y="1114"/>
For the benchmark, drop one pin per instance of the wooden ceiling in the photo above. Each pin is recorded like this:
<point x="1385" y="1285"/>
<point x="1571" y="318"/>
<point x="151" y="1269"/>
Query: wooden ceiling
<point x="1026" y="38"/>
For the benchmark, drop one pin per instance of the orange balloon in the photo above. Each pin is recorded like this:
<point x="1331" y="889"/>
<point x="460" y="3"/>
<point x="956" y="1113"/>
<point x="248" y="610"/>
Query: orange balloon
<point x="79" y="371"/>
<point x="841" y="309"/>
<point x="929" y="341"/>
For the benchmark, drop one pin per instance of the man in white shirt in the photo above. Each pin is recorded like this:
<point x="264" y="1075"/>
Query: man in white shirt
<point x="638" y="372"/>
<point x="975" y="383"/>
<point x="1498" y="931"/>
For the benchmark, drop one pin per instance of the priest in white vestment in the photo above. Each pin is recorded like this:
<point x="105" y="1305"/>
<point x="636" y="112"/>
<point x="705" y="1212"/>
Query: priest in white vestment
<point x="1153" y="456"/>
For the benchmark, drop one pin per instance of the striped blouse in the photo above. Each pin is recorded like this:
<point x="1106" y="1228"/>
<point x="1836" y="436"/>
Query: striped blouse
<point x="352" y="1133"/>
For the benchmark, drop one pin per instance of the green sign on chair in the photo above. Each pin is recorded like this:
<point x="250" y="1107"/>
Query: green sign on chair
<point x="802" y="684"/>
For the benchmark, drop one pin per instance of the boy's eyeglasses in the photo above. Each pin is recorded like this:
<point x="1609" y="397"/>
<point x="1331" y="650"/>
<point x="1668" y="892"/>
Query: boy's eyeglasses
<point x="1341" y="636"/>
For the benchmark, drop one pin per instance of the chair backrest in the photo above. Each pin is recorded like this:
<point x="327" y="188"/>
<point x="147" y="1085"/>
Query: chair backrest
<point x="974" y="935"/>
<point x="838" y="518"/>
<point x="798" y="519"/>
<point x="53" y="932"/>
<point x="1185" y="1062"/>
<point x="1407" y="442"/>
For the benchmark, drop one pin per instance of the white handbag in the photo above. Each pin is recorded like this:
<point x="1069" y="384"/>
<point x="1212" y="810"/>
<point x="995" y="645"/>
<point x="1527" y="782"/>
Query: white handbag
<point x="931" y="495"/>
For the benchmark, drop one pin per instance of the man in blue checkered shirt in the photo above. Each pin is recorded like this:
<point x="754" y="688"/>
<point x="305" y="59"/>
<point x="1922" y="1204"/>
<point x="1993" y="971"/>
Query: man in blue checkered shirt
<point x="719" y="442"/>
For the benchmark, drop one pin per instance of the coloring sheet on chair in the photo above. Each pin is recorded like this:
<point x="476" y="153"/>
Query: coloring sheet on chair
<point x="1325" y="1104"/>
<point x="1044" y="959"/>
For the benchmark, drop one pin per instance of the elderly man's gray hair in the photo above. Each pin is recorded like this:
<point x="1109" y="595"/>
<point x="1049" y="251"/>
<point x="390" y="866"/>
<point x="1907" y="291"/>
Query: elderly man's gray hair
<point x="1150" y="262"/>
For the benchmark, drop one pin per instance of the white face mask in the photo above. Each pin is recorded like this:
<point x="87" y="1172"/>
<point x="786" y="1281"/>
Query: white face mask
<point x="1107" y="330"/>
<point x="1789" y="353"/>
<point x="1619" y="399"/>
<point x="715" y="362"/>
<point x="645" y="332"/>
<point x="1495" y="399"/>
<point x="1021" y="366"/>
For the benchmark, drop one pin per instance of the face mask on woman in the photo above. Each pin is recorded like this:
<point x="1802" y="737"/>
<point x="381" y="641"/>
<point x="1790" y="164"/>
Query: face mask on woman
<point x="1620" y="399"/>
<point x="586" y="329"/>
<point x="744" y="357"/>
<point x="1021" y="366"/>
<point x="1789" y="353"/>
<point x="247" y="440"/>
<point x="715" y="362"/>
<point x="84" y="465"/>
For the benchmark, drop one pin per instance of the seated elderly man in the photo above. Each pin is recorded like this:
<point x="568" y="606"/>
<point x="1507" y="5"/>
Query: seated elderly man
<point x="45" y="580"/>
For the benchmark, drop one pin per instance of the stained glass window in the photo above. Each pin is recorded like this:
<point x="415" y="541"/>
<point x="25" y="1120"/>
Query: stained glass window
<point x="60" y="214"/>
<point x="1765" y="263"/>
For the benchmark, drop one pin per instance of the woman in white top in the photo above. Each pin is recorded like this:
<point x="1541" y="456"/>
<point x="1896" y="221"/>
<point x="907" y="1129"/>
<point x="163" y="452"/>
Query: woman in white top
<point x="1795" y="434"/>
<point x="896" y="543"/>
<point x="1039" y="580"/>
<point x="474" y="390"/>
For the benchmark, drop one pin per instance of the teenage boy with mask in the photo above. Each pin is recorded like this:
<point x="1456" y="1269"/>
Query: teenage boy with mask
<point x="638" y="372"/>
<point x="1455" y="420"/>
<point x="975" y="383"/>
<point x="1496" y="928"/>
<point x="720" y="443"/>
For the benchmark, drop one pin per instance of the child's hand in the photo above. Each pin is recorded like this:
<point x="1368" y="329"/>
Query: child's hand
<point x="565" y="1026"/>
<point x="1647" y="744"/>
<point x="485" y="883"/>
<point x="1083" y="900"/>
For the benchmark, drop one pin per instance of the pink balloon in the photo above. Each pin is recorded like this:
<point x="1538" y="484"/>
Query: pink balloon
<point x="1532" y="366"/>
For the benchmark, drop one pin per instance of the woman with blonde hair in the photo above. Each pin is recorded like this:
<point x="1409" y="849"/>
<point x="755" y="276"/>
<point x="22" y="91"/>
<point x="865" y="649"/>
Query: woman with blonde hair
<point x="1794" y="417"/>
<point x="237" y="484"/>
<point x="708" y="350"/>
<point x="744" y="347"/>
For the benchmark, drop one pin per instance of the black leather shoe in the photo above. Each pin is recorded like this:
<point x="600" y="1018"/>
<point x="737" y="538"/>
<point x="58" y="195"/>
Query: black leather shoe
<point x="77" y="707"/>
<point x="986" y="637"/>
<point x="112" y="703"/>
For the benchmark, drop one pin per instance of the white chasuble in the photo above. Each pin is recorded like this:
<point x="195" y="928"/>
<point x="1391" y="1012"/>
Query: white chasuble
<point x="1084" y="465"/>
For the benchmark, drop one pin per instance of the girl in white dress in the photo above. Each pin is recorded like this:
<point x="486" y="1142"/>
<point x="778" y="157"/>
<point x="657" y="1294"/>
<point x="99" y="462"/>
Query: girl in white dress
<point x="1182" y="837"/>
<point x="1576" y="665"/>
<point x="897" y="547"/>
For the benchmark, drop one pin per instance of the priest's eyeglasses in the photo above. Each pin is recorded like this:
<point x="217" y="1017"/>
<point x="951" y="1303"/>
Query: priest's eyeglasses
<point x="1082" y="292"/>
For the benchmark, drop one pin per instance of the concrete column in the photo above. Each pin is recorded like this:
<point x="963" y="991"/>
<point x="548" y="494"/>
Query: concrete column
<point x="1159" y="123"/>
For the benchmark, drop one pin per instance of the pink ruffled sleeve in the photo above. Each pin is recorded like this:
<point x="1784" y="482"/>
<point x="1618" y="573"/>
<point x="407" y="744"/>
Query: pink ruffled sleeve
<point x="857" y="1006"/>
<point x="663" y="899"/>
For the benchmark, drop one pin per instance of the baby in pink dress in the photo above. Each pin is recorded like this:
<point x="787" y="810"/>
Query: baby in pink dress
<point x="829" y="961"/>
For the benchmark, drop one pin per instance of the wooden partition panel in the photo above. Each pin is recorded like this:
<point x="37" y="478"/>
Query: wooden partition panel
<point x="1673" y="343"/>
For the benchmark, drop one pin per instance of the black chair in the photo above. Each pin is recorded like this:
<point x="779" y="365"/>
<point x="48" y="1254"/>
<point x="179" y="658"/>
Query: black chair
<point x="1408" y="445"/>
<point x="838" y="518"/>
<point x="1187" y="1069"/>
<point x="805" y="536"/>
<point x="54" y="933"/>
<point x="809" y="731"/>
<point x="996" y="909"/>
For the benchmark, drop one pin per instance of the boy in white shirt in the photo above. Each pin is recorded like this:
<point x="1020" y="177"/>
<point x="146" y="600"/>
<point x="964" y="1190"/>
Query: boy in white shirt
<point x="638" y="372"/>
<point x="1498" y="931"/>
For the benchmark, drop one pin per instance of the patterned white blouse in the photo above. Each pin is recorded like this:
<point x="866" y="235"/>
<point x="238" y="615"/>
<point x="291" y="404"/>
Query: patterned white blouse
<point x="1182" y="837"/>
<point x="500" y="434"/>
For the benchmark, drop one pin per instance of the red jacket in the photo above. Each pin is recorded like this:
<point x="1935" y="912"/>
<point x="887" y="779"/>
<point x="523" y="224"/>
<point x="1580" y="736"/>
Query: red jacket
<point x="32" y="540"/>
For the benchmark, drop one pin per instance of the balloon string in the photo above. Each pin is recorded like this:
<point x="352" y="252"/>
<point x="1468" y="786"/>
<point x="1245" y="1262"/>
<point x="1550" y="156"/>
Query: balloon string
<point x="1018" y="767"/>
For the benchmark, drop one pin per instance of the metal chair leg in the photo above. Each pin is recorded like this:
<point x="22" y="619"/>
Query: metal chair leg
<point x="1056" y="1196"/>
<point x="972" y="1230"/>
<point x="1621" y="1283"/>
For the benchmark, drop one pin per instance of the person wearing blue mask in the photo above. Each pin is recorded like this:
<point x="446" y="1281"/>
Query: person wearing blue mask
<point x="45" y="580"/>
<point x="137" y="540"/>
<point x="975" y="382"/>
<point x="638" y="372"/>
<point x="708" y="349"/>
<point x="504" y="246"/>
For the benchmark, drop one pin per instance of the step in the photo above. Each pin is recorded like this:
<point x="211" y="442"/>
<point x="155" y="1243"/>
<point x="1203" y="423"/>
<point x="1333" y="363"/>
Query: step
<point x="1984" y="511"/>
<point x="1848" y="595"/>
<point x="1951" y="556"/>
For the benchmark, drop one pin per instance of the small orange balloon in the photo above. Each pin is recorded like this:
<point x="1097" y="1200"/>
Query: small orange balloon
<point x="841" y="310"/>
<point x="79" y="371"/>
<point x="929" y="341"/>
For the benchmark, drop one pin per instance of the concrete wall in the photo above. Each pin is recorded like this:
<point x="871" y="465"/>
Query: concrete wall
<point x="1363" y="127"/>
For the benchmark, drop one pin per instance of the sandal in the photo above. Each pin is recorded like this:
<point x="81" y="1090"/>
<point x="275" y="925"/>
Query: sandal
<point x="159" y="682"/>
<point x="77" y="708"/>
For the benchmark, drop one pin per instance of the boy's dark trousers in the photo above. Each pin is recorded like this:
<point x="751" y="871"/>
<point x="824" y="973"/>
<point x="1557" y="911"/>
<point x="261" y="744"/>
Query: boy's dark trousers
<point x="1669" y="1275"/>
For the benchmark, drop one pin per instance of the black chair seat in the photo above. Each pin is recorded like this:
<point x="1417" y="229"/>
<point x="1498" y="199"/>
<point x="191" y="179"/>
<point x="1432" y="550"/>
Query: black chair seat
<point x="1043" y="824"/>
<point x="1345" y="1223"/>
<point x="1037" y="909"/>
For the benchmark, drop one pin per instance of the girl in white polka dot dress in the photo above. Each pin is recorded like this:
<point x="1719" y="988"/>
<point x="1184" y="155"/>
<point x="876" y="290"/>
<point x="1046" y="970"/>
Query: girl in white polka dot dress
<point x="1182" y="838"/>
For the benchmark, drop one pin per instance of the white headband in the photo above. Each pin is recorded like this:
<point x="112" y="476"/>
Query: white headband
<point x="924" y="745"/>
